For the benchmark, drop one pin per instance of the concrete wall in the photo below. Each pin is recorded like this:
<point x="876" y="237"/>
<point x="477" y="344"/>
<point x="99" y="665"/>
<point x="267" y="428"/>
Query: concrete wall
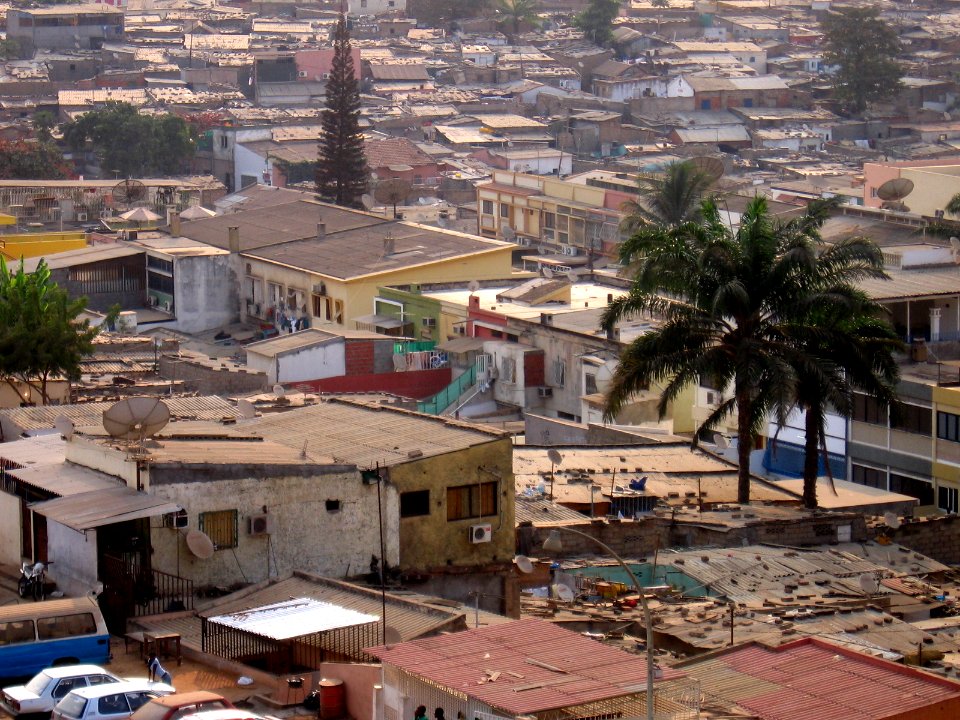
<point x="208" y="379"/>
<point x="358" y="681"/>
<point x="10" y="521"/>
<point x="936" y="537"/>
<point x="306" y="535"/>
<point x="74" y="557"/>
<point x="321" y="361"/>
<point x="206" y="293"/>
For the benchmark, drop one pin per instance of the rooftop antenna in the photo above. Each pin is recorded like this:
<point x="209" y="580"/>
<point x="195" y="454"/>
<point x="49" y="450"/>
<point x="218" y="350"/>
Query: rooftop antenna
<point x="278" y="391"/>
<point x="722" y="442"/>
<point x="473" y="286"/>
<point x="708" y="166"/>
<point x="547" y="272"/>
<point x="64" y="426"/>
<point x="604" y="376"/>
<point x="891" y="520"/>
<point x="892" y="192"/>
<point x="392" y="192"/>
<point x="508" y="233"/>
<point x="136" y="419"/>
<point x="523" y="564"/>
<point x="555" y="459"/>
<point x="247" y="409"/>
<point x="869" y="583"/>
<point x="573" y="276"/>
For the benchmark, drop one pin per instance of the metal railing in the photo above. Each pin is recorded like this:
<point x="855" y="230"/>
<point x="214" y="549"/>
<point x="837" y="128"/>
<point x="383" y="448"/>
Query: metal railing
<point x="446" y="397"/>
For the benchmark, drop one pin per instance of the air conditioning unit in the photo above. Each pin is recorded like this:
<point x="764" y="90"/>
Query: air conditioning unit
<point x="260" y="525"/>
<point x="175" y="520"/>
<point x="81" y="217"/>
<point x="301" y="73"/>
<point x="428" y="321"/>
<point x="326" y="76"/>
<point x="481" y="533"/>
<point x="320" y="288"/>
<point x="545" y="392"/>
<point x="571" y="250"/>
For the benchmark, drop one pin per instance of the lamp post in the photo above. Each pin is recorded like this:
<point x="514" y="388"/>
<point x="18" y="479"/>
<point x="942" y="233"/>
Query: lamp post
<point x="554" y="544"/>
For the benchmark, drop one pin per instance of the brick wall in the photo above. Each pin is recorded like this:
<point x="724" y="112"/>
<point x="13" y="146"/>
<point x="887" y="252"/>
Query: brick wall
<point x="937" y="538"/>
<point x="209" y="380"/>
<point x="359" y="357"/>
<point x="417" y="384"/>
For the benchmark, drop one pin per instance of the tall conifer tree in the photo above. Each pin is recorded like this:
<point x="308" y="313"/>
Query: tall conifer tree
<point x="342" y="167"/>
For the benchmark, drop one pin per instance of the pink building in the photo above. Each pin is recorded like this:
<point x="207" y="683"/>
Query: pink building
<point x="314" y="65"/>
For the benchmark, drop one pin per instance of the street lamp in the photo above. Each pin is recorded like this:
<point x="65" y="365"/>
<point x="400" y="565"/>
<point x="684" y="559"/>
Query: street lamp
<point x="555" y="545"/>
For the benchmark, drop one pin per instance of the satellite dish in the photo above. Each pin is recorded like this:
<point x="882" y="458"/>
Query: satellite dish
<point x="391" y="636"/>
<point x="573" y="276"/>
<point x="392" y="192"/>
<point x="200" y="544"/>
<point x="709" y="167"/>
<point x="129" y="191"/>
<point x="367" y="201"/>
<point x="278" y="391"/>
<point x="722" y="441"/>
<point x="868" y="583"/>
<point x="555" y="457"/>
<point x="246" y="408"/>
<point x="523" y="564"/>
<point x="508" y="233"/>
<point x="473" y="286"/>
<point x="605" y="373"/>
<point x="891" y="520"/>
<point x="136" y="418"/>
<point x="64" y="426"/>
<point x="547" y="272"/>
<point x="564" y="593"/>
<point x="895" y="190"/>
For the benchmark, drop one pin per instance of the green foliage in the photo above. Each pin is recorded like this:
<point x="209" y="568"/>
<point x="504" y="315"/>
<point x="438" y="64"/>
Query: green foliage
<point x="660" y="3"/>
<point x="864" y="48"/>
<point x="953" y="205"/>
<point x="26" y="160"/>
<point x="131" y="144"/>
<point x="40" y="336"/>
<point x="597" y="20"/>
<point x="442" y="13"/>
<point x="342" y="166"/>
<point x="514" y="13"/>
<point x="736" y="309"/>
<point x="43" y="124"/>
<point x="9" y="49"/>
<point x="670" y="197"/>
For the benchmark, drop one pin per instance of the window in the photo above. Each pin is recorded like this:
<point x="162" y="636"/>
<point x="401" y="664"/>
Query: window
<point x="333" y="506"/>
<point x="223" y="141"/>
<point x="504" y="210"/>
<point x="508" y="369"/>
<point x="113" y="704"/>
<point x="472" y="501"/>
<point x="920" y="489"/>
<point x="559" y="373"/>
<point x="62" y="626"/>
<point x="68" y="684"/>
<point x="947" y="426"/>
<point x="221" y="527"/>
<point x="867" y="409"/>
<point x="912" y="419"/>
<point x="549" y="220"/>
<point x="870" y="477"/>
<point x="19" y="631"/>
<point x="487" y="207"/>
<point x="137" y="699"/>
<point x="748" y="102"/>
<point x="948" y="499"/>
<point x="590" y="383"/>
<point x="415" y="503"/>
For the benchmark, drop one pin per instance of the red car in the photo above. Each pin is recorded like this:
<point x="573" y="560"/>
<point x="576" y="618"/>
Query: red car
<point x="176" y="706"/>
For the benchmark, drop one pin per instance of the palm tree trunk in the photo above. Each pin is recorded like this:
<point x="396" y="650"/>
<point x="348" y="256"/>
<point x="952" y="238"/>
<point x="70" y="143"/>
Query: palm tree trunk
<point x="744" y="446"/>
<point x="811" y="458"/>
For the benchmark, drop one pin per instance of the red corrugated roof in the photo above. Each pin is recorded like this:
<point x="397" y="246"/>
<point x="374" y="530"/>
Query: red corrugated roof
<point x="810" y="679"/>
<point x="590" y="671"/>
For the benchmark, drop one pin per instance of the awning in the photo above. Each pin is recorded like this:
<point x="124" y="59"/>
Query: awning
<point x="380" y="321"/>
<point x="96" y="508"/>
<point x="294" y="618"/>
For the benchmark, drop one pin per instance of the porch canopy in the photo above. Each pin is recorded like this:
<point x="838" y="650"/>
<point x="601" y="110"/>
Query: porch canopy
<point x="105" y="506"/>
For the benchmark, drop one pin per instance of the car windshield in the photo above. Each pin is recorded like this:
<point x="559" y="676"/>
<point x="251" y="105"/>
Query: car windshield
<point x="38" y="684"/>
<point x="72" y="706"/>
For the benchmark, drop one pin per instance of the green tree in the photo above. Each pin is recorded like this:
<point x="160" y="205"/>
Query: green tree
<point x="660" y="3"/>
<point x="28" y="160"/>
<point x="9" y="49"/>
<point x="596" y="20"/>
<point x="41" y="336"/>
<point x="514" y="13"/>
<point x="131" y="144"/>
<point x="669" y="198"/>
<point x="953" y="205"/>
<point x="43" y="124"/>
<point x="342" y="166"/>
<point x="730" y="303"/>
<point x="864" y="48"/>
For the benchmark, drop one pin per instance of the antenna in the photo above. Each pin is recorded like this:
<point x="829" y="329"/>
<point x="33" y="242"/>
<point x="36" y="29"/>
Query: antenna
<point x="547" y="272"/>
<point x="892" y="192"/>
<point x="573" y="275"/>
<point x="869" y="583"/>
<point x="136" y="418"/>
<point x="247" y="409"/>
<point x="473" y="286"/>
<point x="64" y="426"/>
<point x="508" y="233"/>
<point x="955" y="249"/>
<point x="604" y="376"/>
<point x="278" y="391"/>
<point x="200" y="544"/>
<point x="891" y="520"/>
<point x="722" y="442"/>
<point x="564" y="593"/>
<point x="708" y="166"/>
<point x="523" y="564"/>
<point x="555" y="457"/>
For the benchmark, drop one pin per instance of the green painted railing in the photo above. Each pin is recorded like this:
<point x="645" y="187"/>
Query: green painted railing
<point x="446" y="397"/>
<point x="401" y="348"/>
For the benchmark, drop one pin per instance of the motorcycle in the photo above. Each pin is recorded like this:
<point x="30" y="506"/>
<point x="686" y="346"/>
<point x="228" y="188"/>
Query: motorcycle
<point x="32" y="579"/>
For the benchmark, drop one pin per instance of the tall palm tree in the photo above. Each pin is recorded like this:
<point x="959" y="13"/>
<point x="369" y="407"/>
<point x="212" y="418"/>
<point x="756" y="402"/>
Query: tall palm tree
<point x="515" y="13"/>
<point x="730" y="304"/>
<point x="669" y="198"/>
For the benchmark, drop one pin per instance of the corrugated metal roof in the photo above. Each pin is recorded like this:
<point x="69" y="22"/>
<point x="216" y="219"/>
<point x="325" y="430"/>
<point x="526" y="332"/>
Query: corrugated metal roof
<point x="106" y="506"/>
<point x="293" y="618"/>
<point x="290" y="342"/>
<point x="586" y="670"/>
<point x="814" y="680"/>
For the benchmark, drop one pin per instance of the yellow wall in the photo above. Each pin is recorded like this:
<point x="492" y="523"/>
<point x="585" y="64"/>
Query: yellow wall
<point x="28" y="245"/>
<point x="945" y="473"/>
<point x="431" y="541"/>
<point x="932" y="188"/>
<point x="58" y="390"/>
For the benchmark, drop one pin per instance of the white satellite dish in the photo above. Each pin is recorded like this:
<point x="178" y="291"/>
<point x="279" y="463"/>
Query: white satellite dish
<point x="555" y="457"/>
<point x="564" y="593"/>
<point x="246" y="408"/>
<point x="64" y="426"/>
<point x="473" y="286"/>
<point x="200" y="544"/>
<point x="722" y="441"/>
<point x="508" y="233"/>
<point x="868" y="583"/>
<point x="605" y="373"/>
<point x="136" y="418"/>
<point x="547" y="272"/>
<point x="891" y="520"/>
<point x="391" y="636"/>
<point x="278" y="391"/>
<point x="523" y="564"/>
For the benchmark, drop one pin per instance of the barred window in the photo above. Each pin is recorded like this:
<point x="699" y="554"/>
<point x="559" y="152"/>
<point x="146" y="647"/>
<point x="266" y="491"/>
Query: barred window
<point x="221" y="527"/>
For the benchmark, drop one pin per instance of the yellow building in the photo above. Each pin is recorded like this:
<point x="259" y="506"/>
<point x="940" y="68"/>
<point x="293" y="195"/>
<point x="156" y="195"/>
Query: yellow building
<point x="946" y="440"/>
<point x="13" y="247"/>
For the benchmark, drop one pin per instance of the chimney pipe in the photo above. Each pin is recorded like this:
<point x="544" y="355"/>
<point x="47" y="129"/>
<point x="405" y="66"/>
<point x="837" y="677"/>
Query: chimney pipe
<point x="321" y="230"/>
<point x="233" y="239"/>
<point x="175" y="224"/>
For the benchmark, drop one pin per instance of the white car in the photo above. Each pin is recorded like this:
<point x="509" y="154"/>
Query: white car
<point x="49" y="686"/>
<point x="113" y="701"/>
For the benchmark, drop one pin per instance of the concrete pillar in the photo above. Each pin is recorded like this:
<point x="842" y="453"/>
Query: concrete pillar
<point x="236" y="265"/>
<point x="174" y="223"/>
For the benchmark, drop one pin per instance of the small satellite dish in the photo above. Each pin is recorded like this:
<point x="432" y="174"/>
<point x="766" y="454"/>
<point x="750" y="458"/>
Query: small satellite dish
<point x="891" y="520"/>
<point x="200" y="544"/>
<point x="564" y="593"/>
<point x="246" y="408"/>
<point x="523" y="564"/>
<point x="367" y="201"/>
<point x="278" y="391"/>
<point x="136" y="418"/>
<point x="547" y="272"/>
<point x="473" y="286"/>
<point x="508" y="233"/>
<point x="722" y="441"/>
<point x="391" y="636"/>
<point x="709" y="167"/>
<point x="555" y="457"/>
<point x="868" y="583"/>
<point x="64" y="426"/>
<point x="605" y="373"/>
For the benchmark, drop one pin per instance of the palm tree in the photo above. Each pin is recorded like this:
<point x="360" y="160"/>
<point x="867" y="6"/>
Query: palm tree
<point x="517" y="12"/>
<point x="667" y="198"/>
<point x="731" y="304"/>
<point x="953" y="205"/>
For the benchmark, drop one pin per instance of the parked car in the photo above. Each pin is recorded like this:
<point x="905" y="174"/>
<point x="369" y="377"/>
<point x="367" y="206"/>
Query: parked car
<point x="114" y="701"/>
<point x="49" y="686"/>
<point x="174" y="707"/>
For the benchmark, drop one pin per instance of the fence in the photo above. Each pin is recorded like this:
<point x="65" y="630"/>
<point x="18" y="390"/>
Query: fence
<point x="446" y="397"/>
